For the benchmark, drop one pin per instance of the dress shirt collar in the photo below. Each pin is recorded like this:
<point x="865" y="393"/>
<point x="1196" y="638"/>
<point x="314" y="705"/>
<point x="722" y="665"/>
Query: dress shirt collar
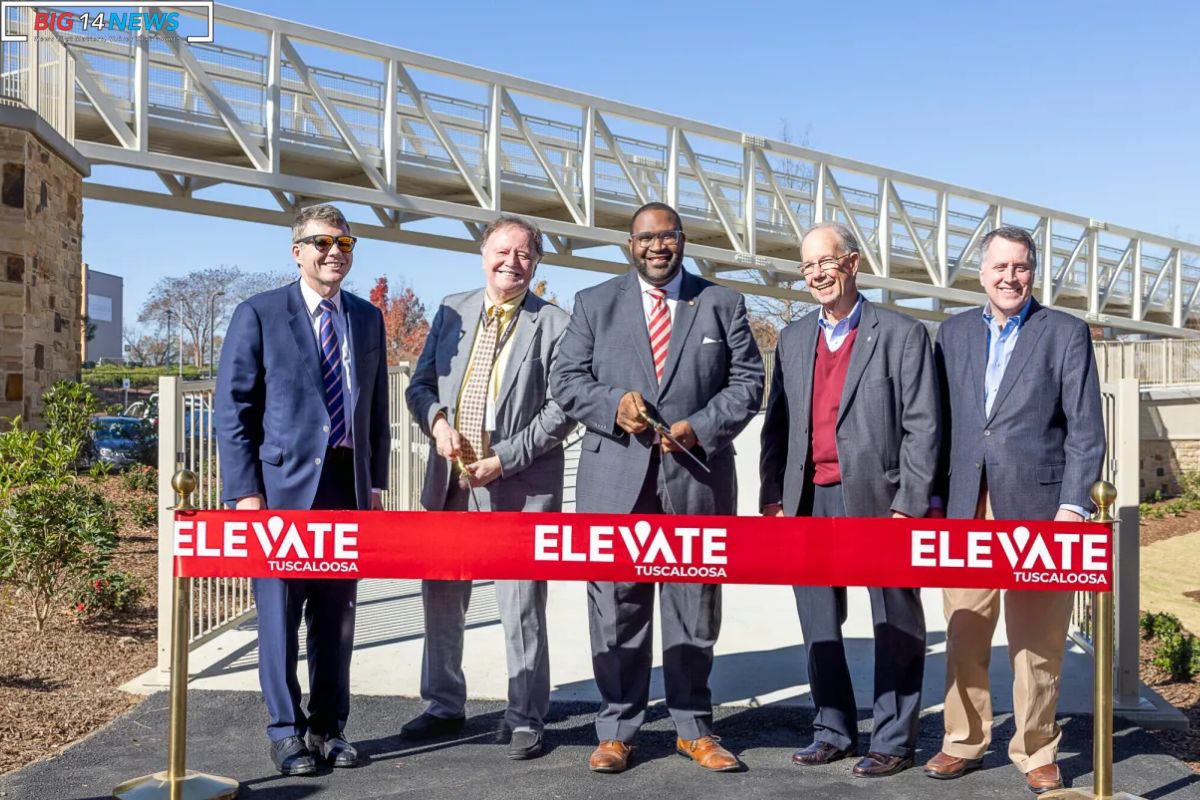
<point x="847" y="323"/>
<point x="1020" y="318"/>
<point x="672" y="288"/>
<point x="312" y="299"/>
<point x="505" y="309"/>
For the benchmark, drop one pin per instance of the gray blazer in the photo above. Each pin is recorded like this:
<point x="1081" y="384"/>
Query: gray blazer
<point x="530" y="426"/>
<point x="713" y="378"/>
<point x="888" y="431"/>
<point x="1043" y="444"/>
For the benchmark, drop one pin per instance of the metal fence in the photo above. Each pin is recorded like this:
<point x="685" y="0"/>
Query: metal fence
<point x="1162" y="362"/>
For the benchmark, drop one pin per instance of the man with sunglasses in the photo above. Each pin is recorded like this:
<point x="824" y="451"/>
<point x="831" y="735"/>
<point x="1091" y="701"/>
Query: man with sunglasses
<point x="660" y="345"/>
<point x="851" y="429"/>
<point x="302" y="423"/>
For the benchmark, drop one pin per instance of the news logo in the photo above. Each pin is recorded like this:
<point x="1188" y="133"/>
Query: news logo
<point x="101" y="19"/>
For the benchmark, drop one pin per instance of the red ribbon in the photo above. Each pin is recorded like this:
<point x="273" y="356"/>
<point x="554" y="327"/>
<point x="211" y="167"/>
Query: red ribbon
<point x="993" y="554"/>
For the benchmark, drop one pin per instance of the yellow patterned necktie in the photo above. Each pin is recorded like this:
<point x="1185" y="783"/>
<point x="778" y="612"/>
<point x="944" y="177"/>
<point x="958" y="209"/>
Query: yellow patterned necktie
<point x="473" y="406"/>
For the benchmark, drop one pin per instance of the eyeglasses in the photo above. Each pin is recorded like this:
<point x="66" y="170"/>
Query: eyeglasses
<point x="323" y="242"/>
<point x="827" y="264"/>
<point x="666" y="237"/>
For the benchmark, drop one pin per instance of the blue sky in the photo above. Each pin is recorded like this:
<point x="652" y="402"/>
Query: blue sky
<point x="1092" y="108"/>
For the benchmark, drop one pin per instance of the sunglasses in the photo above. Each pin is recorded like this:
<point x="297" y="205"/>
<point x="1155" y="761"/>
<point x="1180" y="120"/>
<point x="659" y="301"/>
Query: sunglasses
<point x="323" y="242"/>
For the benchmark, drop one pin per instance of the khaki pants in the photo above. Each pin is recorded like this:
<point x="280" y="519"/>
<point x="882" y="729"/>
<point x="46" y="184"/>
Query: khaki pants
<point x="1036" y="624"/>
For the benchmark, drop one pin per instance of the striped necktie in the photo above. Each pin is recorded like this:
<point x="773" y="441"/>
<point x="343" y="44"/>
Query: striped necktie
<point x="331" y="374"/>
<point x="660" y="329"/>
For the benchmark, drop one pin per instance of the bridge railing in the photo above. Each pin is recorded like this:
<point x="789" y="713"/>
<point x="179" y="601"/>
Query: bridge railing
<point x="1159" y="362"/>
<point x="273" y="102"/>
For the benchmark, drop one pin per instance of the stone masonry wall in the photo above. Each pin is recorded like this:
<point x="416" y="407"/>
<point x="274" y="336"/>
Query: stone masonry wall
<point x="41" y="237"/>
<point x="1163" y="461"/>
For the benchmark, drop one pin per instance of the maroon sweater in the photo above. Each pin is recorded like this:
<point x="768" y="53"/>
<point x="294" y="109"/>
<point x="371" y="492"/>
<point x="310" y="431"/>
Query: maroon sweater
<point x="829" y="376"/>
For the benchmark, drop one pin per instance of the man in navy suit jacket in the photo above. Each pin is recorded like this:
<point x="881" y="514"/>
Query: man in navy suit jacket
<point x="302" y="423"/>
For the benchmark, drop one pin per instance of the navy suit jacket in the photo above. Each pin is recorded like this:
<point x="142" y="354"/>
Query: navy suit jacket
<point x="1043" y="443"/>
<point x="269" y="408"/>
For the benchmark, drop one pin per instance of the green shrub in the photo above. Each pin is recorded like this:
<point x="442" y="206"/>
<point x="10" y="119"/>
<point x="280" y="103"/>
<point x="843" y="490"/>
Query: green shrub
<point x="1163" y="625"/>
<point x="99" y="469"/>
<point x="29" y="457"/>
<point x="108" y="594"/>
<point x="142" y="478"/>
<point x="112" y="376"/>
<point x="69" y="408"/>
<point x="1189" y="485"/>
<point x="53" y="538"/>
<point x="145" y="515"/>
<point x="1178" y="655"/>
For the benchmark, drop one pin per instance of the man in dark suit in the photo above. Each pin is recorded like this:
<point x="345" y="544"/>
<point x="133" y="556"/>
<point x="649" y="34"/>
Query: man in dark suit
<point x="480" y="391"/>
<point x="664" y="343"/>
<point x="1026" y="441"/>
<point x="852" y="429"/>
<point x="302" y="423"/>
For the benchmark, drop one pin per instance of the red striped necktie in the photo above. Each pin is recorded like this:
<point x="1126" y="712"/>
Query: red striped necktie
<point x="660" y="329"/>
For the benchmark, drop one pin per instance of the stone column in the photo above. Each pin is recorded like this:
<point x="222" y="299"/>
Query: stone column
<point x="41" y="238"/>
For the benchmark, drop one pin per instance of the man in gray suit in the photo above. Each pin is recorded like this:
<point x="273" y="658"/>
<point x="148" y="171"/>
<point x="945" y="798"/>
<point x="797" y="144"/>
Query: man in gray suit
<point x="852" y="429"/>
<point x="1026" y="441"/>
<point x="480" y="392"/>
<point x="662" y="343"/>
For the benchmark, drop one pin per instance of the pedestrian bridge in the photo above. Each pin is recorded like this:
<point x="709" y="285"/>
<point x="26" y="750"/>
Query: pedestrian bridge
<point x="294" y="114"/>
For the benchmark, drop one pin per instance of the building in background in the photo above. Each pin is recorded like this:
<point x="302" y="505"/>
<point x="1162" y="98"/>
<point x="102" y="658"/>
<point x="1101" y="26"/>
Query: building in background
<point x="104" y="310"/>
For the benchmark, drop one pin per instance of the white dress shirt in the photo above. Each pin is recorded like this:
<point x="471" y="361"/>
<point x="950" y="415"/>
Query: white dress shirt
<point x="341" y="327"/>
<point x="672" y="291"/>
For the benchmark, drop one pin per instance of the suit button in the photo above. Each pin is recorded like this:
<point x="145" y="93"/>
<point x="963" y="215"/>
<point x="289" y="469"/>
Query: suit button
<point x="317" y="461"/>
<point x="325" y="429"/>
<point x="987" y="433"/>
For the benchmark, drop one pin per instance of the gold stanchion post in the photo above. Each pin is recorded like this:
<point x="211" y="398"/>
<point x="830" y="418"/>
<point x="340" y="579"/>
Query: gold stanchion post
<point x="1104" y="495"/>
<point x="178" y="783"/>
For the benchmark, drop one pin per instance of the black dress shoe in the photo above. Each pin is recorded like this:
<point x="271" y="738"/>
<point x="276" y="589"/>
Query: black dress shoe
<point x="427" y="726"/>
<point x="880" y="765"/>
<point x="291" y="757"/>
<point x="333" y="749"/>
<point x="524" y="744"/>
<point x="818" y="753"/>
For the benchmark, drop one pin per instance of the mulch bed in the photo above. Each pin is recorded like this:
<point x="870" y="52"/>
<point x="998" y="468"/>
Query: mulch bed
<point x="1155" y="530"/>
<point x="1184" y="745"/>
<point x="61" y="685"/>
<point x="1184" y="695"/>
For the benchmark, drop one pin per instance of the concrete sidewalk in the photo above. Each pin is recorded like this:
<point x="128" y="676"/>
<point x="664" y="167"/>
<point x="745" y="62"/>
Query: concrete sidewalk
<point x="759" y="656"/>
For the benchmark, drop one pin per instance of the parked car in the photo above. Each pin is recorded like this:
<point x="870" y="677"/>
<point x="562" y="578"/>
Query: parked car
<point x="122" y="441"/>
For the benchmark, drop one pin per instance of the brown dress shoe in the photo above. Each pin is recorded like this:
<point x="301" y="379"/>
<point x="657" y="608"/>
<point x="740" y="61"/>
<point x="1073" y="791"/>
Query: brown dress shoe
<point x="707" y="753"/>
<point x="1044" y="779"/>
<point x="611" y="755"/>
<point x="946" y="767"/>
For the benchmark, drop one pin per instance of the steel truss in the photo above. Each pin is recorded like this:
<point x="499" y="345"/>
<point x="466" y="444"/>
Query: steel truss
<point x="303" y="114"/>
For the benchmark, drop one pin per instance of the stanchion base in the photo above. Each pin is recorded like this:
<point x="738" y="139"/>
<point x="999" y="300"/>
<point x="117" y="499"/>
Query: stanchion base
<point x="1086" y="793"/>
<point x="193" y="786"/>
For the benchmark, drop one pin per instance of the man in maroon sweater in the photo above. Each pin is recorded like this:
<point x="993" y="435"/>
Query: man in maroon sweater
<point x="852" y="429"/>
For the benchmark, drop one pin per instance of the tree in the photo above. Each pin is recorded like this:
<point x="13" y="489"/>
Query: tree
<point x="778" y="312"/>
<point x="404" y="322"/>
<point x="186" y="299"/>
<point x="542" y="290"/>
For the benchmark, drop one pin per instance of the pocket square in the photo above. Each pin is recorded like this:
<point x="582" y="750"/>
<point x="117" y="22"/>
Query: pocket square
<point x="709" y="340"/>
